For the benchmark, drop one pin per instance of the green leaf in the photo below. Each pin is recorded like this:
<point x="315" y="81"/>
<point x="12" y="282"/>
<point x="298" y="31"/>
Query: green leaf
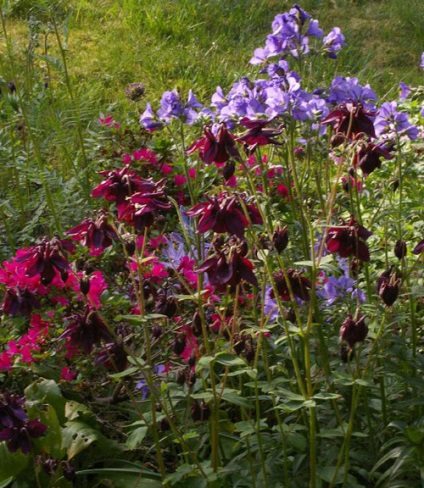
<point x="327" y="396"/>
<point x="51" y="441"/>
<point x="47" y="391"/>
<point x="5" y="483"/>
<point x="124" y="477"/>
<point x="237" y="400"/>
<point x="205" y="361"/>
<point x="77" y="436"/>
<point x="229" y="360"/>
<point x="127" y="372"/>
<point x="136" y="437"/>
<point x="11" y="464"/>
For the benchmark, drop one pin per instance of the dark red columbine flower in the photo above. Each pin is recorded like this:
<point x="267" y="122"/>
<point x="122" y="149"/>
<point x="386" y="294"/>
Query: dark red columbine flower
<point x="419" y="248"/>
<point x="142" y="207"/>
<point x="351" y="119"/>
<point x="86" y="330"/>
<point x="217" y="146"/>
<point x="96" y="234"/>
<point x="11" y="411"/>
<point x="368" y="157"/>
<point x="19" y="302"/>
<point x="229" y="266"/>
<point x="258" y="134"/>
<point x="224" y="213"/>
<point x="388" y="286"/>
<point x="353" y="330"/>
<point x="15" y="428"/>
<point x="46" y="258"/>
<point x="20" y="436"/>
<point x="113" y="357"/>
<point x="300" y="285"/>
<point x="121" y="184"/>
<point x="349" y="240"/>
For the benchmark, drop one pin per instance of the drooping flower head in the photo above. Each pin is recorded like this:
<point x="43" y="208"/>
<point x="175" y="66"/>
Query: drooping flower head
<point x="224" y="213"/>
<point x="47" y="258"/>
<point x="217" y="146"/>
<point x="96" y="234"/>
<point x="368" y="157"/>
<point x="353" y="330"/>
<point x="348" y="239"/>
<point x="228" y="266"/>
<point x="291" y="284"/>
<point x="351" y="119"/>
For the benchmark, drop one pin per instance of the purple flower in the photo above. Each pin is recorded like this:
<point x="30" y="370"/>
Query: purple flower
<point x="353" y="330"/>
<point x="405" y="91"/>
<point x="19" y="302"/>
<point x="171" y="107"/>
<point x="419" y="248"/>
<point x="422" y="61"/>
<point x="20" y="437"/>
<point x="333" y="42"/>
<point x="348" y="89"/>
<point x="390" y="122"/>
<point x="149" y="120"/>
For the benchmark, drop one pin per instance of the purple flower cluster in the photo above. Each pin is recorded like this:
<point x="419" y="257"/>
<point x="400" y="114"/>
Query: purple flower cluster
<point x="390" y="122"/>
<point x="171" y="107"/>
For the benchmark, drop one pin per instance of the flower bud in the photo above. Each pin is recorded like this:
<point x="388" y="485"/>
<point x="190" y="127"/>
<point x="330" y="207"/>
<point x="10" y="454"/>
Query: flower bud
<point x="228" y="170"/>
<point x="337" y="139"/>
<point x="179" y="344"/>
<point x="280" y="238"/>
<point x="400" y="249"/>
<point x="84" y="285"/>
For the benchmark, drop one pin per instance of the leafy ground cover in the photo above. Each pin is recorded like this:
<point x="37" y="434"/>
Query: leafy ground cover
<point x="211" y="286"/>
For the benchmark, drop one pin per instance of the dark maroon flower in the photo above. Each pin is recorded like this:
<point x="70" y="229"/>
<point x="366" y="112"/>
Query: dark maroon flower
<point x="46" y="258"/>
<point x="400" y="249"/>
<point x="200" y="412"/>
<point x="388" y="286"/>
<point x="349" y="240"/>
<point x="258" y="134"/>
<point x="419" y="248"/>
<point x="224" y="213"/>
<point x="20" y="436"/>
<point x="229" y="266"/>
<point x="96" y="234"/>
<point x="353" y="330"/>
<point x="368" y="157"/>
<point x="142" y="207"/>
<point x="166" y="305"/>
<point x="351" y="119"/>
<point x="300" y="285"/>
<point x="11" y="411"/>
<point x="217" y="146"/>
<point x="121" y="184"/>
<point x="19" y="302"/>
<point x="113" y="357"/>
<point x="86" y="330"/>
<point x="280" y="238"/>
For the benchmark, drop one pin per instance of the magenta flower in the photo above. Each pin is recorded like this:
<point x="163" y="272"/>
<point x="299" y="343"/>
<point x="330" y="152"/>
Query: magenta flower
<point x="224" y="213"/>
<point x="47" y="258"/>
<point x="351" y="119"/>
<point x="96" y="234"/>
<point x="218" y="145"/>
<point x="349" y="240"/>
